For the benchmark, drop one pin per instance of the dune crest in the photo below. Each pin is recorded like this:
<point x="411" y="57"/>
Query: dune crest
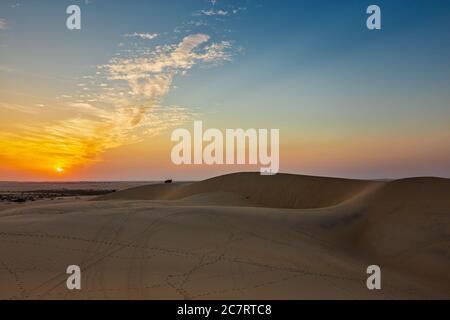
<point x="276" y="191"/>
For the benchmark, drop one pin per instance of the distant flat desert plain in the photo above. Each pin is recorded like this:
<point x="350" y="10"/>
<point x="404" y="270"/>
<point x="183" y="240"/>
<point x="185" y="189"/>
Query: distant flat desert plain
<point x="238" y="236"/>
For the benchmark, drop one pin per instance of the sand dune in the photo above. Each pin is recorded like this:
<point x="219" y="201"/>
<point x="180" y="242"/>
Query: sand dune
<point x="278" y="191"/>
<point x="409" y="217"/>
<point x="408" y="223"/>
<point x="240" y="236"/>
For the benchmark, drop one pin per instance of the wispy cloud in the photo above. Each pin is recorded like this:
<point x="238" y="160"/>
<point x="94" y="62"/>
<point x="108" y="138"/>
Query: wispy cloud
<point x="77" y="141"/>
<point x="145" y="36"/>
<point x="3" y="24"/>
<point x="231" y="10"/>
<point x="18" y="107"/>
<point x="124" y="105"/>
<point x="62" y="144"/>
<point x="212" y="12"/>
<point x="151" y="76"/>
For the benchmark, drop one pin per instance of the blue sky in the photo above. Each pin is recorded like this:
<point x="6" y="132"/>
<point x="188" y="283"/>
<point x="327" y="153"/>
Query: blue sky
<point x="310" y="68"/>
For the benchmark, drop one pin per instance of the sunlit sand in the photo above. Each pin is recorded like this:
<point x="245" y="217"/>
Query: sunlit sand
<point x="241" y="236"/>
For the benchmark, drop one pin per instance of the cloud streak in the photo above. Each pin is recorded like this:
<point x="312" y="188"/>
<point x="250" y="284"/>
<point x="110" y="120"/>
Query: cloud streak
<point x="152" y="76"/>
<point x="3" y="24"/>
<point x="212" y="12"/>
<point x="124" y="105"/>
<point x="144" y="36"/>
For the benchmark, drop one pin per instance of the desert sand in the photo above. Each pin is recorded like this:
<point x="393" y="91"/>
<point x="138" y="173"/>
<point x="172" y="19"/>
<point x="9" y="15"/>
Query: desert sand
<point x="239" y="236"/>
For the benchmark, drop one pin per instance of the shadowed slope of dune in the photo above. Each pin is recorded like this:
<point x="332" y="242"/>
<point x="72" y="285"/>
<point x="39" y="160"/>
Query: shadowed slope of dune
<point x="407" y="222"/>
<point x="404" y="224"/>
<point x="276" y="191"/>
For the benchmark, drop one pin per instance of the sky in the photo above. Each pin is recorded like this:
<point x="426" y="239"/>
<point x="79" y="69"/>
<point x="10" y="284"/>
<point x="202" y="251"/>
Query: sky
<point x="100" y="103"/>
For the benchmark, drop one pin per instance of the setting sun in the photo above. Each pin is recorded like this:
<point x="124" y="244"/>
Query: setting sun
<point x="59" y="170"/>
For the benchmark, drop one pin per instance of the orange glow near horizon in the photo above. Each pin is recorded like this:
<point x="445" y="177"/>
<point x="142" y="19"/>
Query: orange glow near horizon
<point x="149" y="159"/>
